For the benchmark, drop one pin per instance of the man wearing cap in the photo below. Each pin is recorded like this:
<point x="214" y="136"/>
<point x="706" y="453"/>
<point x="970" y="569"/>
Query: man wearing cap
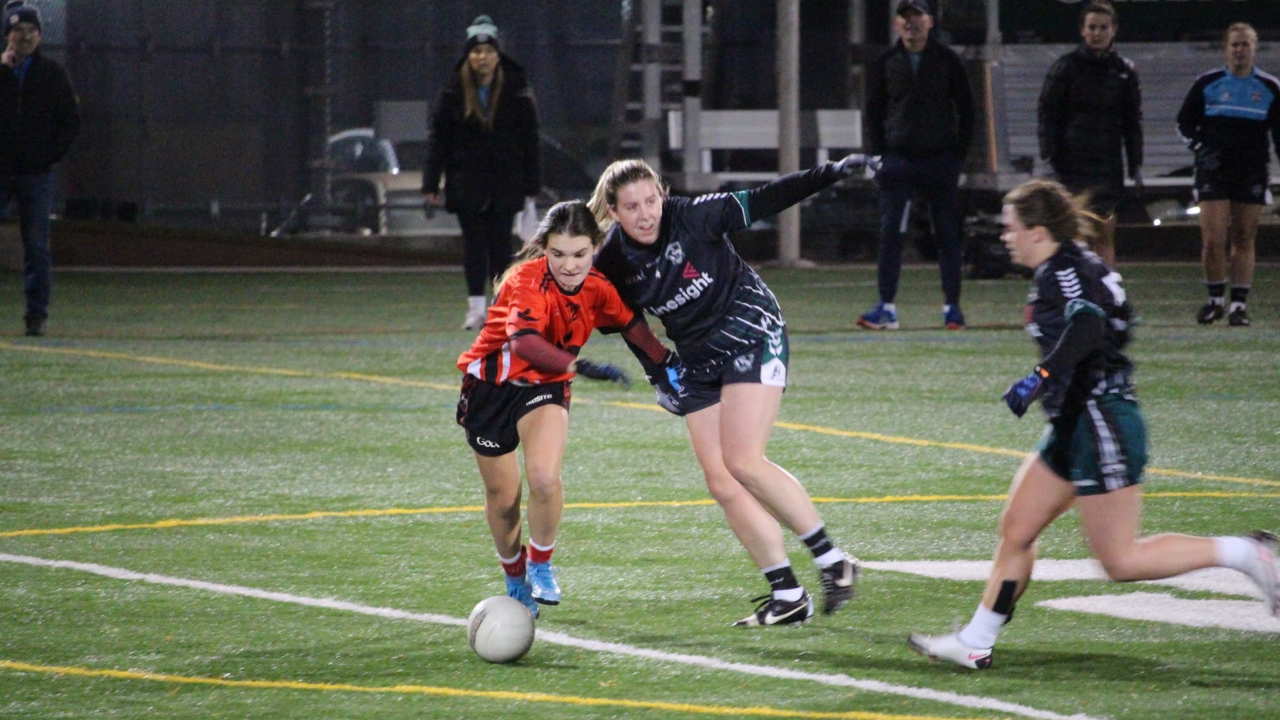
<point x="483" y="140"/>
<point x="919" y="118"/>
<point x="39" y="118"/>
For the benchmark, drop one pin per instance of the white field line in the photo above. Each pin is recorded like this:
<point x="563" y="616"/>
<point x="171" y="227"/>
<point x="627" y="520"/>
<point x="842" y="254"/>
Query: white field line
<point x="1250" y="616"/>
<point x="875" y="686"/>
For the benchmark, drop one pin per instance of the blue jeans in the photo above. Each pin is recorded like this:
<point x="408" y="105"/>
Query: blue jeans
<point x="935" y="180"/>
<point x="34" y="194"/>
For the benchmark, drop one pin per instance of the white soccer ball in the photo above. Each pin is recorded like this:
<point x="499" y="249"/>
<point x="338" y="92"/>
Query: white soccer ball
<point x="500" y="629"/>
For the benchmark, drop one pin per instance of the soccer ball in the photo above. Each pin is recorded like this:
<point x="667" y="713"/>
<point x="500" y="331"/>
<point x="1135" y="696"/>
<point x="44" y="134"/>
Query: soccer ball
<point x="500" y="629"/>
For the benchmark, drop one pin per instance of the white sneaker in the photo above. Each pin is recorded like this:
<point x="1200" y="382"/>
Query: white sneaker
<point x="948" y="647"/>
<point x="1262" y="568"/>
<point x="477" y="310"/>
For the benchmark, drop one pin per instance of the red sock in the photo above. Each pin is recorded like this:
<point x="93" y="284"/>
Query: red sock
<point x="515" y="568"/>
<point x="540" y="555"/>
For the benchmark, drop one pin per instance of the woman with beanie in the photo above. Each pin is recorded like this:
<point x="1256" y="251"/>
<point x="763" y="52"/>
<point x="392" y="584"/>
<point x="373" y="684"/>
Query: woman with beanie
<point x="483" y="140"/>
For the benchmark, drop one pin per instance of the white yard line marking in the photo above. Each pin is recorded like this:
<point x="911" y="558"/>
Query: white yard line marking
<point x="1159" y="607"/>
<point x="1144" y="606"/>
<point x="837" y="680"/>
<point x="1216" y="580"/>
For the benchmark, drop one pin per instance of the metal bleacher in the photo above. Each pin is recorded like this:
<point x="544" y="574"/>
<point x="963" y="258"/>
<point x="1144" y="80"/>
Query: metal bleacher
<point x="1166" y="71"/>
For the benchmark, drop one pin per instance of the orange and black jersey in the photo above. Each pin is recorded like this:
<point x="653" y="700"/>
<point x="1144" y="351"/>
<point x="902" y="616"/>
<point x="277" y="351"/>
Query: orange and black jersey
<point x="530" y="301"/>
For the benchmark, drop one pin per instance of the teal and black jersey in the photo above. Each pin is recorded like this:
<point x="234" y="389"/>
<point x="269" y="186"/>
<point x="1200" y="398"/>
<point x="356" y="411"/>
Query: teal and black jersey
<point x="1233" y="116"/>
<point x="1075" y="286"/>
<point x="710" y="301"/>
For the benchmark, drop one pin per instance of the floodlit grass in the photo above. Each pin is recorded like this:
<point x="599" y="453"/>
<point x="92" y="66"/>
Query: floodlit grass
<point x="293" y="433"/>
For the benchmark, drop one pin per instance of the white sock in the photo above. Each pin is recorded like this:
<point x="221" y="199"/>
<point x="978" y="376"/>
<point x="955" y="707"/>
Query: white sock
<point x="1232" y="551"/>
<point x="789" y="595"/>
<point x="1235" y="306"/>
<point x="829" y="558"/>
<point x="890" y="307"/>
<point x="982" y="630"/>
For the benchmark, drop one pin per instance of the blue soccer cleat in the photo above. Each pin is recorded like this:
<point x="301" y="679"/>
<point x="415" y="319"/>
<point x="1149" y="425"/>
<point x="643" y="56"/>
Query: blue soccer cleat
<point x="542" y="578"/>
<point x="952" y="318"/>
<point x="520" y="589"/>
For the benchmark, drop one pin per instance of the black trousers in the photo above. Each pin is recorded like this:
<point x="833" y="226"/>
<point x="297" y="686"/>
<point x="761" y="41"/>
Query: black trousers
<point x="486" y="248"/>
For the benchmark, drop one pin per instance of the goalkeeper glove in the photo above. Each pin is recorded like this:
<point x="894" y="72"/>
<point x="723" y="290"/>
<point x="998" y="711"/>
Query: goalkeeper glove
<point x="1021" y="394"/>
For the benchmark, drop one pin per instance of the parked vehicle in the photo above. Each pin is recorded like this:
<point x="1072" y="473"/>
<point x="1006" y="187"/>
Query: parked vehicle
<point x="372" y="192"/>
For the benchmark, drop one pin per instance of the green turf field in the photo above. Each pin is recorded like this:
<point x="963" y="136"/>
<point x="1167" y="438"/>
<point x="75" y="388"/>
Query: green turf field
<point x="268" y="512"/>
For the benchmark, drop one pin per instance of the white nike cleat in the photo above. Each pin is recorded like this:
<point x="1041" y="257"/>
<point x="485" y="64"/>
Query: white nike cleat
<point x="1262" y="568"/>
<point x="948" y="647"/>
<point x="772" y="611"/>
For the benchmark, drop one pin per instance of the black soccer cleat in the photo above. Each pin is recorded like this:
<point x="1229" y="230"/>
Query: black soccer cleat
<point x="838" y="581"/>
<point x="1210" y="312"/>
<point x="1238" y="318"/>
<point x="772" y="611"/>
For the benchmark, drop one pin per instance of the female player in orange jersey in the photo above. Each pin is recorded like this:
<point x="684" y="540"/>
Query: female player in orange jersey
<point x="516" y="386"/>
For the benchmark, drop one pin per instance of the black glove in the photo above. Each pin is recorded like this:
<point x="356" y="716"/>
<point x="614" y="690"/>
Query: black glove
<point x="1207" y="158"/>
<point x="1021" y="394"/>
<point x="603" y="371"/>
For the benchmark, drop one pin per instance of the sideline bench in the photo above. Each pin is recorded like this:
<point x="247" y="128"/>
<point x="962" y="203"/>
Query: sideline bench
<point x="822" y="130"/>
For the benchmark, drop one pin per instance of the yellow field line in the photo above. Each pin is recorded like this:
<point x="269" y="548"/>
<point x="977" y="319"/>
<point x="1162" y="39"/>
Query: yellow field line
<point x="218" y="367"/>
<point x="385" y="380"/>
<point x="320" y="514"/>
<point x="524" y="697"/>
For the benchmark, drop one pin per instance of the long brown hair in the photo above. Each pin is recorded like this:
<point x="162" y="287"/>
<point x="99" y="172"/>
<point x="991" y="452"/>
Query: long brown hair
<point x="619" y="174"/>
<point x="1048" y="204"/>
<point x="472" y="107"/>
<point x="571" y="218"/>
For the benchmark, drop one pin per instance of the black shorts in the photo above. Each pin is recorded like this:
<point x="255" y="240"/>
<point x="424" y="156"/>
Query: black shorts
<point x="489" y="412"/>
<point x="1103" y="190"/>
<point x="764" y="363"/>
<point x="1249" y="187"/>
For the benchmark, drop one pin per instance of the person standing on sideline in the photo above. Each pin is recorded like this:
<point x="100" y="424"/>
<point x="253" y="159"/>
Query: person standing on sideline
<point x="1090" y="106"/>
<point x="1092" y="454"/>
<point x="919" y="119"/>
<point x="39" y="119"/>
<point x="516" y="386"/>
<point x="670" y="257"/>
<point x="484" y="142"/>
<point x="1225" y="121"/>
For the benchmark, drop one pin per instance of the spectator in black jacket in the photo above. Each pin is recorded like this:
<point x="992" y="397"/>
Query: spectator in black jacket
<point x="484" y="141"/>
<point x="39" y="119"/>
<point x="1090" y="106"/>
<point x="919" y="119"/>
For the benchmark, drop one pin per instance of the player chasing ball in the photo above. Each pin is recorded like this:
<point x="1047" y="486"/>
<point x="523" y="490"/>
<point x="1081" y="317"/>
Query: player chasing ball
<point x="516" y="386"/>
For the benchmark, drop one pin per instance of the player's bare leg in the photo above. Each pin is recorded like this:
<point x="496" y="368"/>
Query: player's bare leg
<point x="751" y="523"/>
<point x="543" y="434"/>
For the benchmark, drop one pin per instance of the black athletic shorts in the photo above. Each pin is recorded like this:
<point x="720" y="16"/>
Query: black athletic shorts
<point x="764" y="363"/>
<point x="1248" y="187"/>
<point x="1103" y="189"/>
<point x="489" y="412"/>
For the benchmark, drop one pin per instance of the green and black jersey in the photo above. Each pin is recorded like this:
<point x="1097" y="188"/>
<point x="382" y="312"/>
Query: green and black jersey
<point x="710" y="301"/>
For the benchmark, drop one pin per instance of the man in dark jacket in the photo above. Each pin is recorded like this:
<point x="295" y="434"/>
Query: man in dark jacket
<point x="39" y="118"/>
<point x="919" y="119"/>
<point x="484" y="141"/>
<point x="1090" y="106"/>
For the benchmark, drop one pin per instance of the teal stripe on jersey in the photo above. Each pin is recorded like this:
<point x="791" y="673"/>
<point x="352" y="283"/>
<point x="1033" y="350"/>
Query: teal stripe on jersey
<point x="741" y="197"/>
